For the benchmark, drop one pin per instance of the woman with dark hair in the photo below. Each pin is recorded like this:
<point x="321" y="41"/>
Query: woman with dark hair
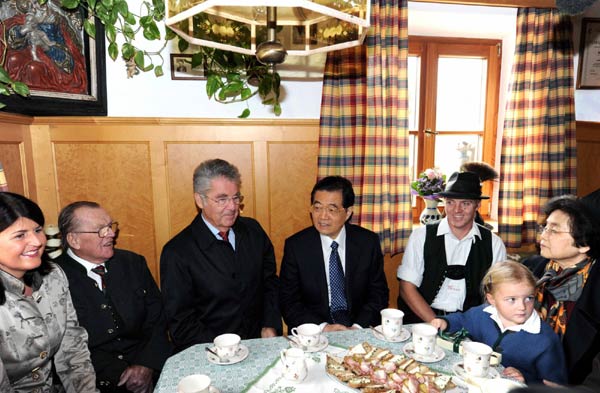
<point x="567" y="291"/>
<point x="38" y="324"/>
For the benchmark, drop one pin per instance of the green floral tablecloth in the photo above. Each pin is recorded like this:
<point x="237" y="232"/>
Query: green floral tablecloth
<point x="263" y="358"/>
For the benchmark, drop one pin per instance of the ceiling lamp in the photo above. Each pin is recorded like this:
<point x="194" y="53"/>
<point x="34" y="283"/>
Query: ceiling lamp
<point x="271" y="28"/>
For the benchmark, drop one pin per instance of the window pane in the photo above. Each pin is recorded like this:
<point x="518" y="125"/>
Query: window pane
<point x="451" y="151"/>
<point x="412" y="160"/>
<point x="414" y="76"/>
<point x="461" y="94"/>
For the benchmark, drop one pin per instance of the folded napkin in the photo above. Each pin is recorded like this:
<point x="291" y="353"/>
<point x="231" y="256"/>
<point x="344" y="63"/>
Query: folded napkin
<point x="317" y="380"/>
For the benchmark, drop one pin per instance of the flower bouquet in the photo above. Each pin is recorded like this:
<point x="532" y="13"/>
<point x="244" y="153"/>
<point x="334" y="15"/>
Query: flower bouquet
<point x="430" y="182"/>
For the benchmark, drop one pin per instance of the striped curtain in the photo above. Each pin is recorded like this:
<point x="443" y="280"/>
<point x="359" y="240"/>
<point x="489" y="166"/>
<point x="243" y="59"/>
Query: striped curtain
<point x="364" y="124"/>
<point x="538" y="143"/>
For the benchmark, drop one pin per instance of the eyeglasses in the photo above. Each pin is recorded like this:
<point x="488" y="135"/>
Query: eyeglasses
<point x="333" y="210"/>
<point x="223" y="201"/>
<point x="105" y="230"/>
<point x="549" y="230"/>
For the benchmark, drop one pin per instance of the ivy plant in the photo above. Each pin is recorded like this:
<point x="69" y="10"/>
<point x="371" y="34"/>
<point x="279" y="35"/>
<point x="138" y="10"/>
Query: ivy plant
<point x="232" y="77"/>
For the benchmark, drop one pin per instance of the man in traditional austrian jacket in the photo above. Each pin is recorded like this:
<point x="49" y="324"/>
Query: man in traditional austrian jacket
<point x="444" y="263"/>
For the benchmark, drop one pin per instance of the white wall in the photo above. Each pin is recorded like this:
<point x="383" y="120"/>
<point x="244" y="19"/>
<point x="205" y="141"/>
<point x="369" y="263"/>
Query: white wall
<point x="148" y="96"/>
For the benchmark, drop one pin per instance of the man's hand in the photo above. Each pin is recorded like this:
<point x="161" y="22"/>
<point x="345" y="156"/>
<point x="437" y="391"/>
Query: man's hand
<point x="513" y="373"/>
<point x="267" y="332"/>
<point x="335" y="327"/>
<point x="439" y="324"/>
<point x="137" y="379"/>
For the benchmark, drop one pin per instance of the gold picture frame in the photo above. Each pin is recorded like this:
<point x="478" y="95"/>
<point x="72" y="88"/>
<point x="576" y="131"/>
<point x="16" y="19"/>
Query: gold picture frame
<point x="181" y="68"/>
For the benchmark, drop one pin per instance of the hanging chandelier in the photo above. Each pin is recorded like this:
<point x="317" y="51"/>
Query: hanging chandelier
<point x="271" y="29"/>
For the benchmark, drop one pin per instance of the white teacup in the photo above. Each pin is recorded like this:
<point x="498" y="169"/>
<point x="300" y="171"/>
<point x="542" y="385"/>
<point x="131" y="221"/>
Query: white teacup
<point x="307" y="334"/>
<point x="227" y="345"/>
<point x="196" y="383"/>
<point x="477" y="358"/>
<point x="294" y="364"/>
<point x="424" y="338"/>
<point x="391" y="322"/>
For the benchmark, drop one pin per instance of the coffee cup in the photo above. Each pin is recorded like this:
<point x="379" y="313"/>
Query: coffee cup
<point x="227" y="345"/>
<point x="391" y="322"/>
<point x="195" y="383"/>
<point x="307" y="334"/>
<point x="477" y="358"/>
<point x="294" y="364"/>
<point x="424" y="338"/>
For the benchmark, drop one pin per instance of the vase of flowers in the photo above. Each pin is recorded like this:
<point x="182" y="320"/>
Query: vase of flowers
<point x="429" y="183"/>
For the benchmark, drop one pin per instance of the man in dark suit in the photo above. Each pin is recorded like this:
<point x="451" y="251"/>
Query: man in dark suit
<point x="332" y="272"/>
<point x="218" y="275"/>
<point x="116" y="299"/>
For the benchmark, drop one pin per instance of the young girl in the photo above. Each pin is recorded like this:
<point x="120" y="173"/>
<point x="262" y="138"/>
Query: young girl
<point x="531" y="351"/>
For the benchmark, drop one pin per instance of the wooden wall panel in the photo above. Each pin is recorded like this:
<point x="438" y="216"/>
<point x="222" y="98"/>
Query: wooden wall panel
<point x="292" y="175"/>
<point x="588" y="151"/>
<point x="11" y="157"/>
<point x="183" y="158"/>
<point x="117" y="176"/>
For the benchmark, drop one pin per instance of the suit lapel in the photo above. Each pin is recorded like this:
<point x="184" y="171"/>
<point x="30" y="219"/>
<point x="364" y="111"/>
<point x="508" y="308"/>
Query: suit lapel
<point x="351" y="258"/>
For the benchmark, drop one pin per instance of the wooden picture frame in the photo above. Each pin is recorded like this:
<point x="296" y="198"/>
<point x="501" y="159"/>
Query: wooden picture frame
<point x="588" y="72"/>
<point x="72" y="66"/>
<point x="181" y="68"/>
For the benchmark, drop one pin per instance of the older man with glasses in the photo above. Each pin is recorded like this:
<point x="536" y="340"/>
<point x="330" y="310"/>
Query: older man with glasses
<point x="116" y="300"/>
<point x="332" y="272"/>
<point x="218" y="275"/>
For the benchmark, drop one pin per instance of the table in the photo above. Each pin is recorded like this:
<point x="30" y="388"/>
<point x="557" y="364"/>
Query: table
<point x="237" y="378"/>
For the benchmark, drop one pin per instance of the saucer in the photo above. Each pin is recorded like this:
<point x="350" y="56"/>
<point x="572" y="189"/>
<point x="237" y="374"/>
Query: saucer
<point x="241" y="354"/>
<point x="460" y="373"/>
<point x="213" y="389"/>
<point x="403" y="336"/>
<point x="321" y="345"/>
<point x="437" y="355"/>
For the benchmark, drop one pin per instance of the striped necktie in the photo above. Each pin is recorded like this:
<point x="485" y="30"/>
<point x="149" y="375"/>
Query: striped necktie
<point x="101" y="271"/>
<point x="339" y="306"/>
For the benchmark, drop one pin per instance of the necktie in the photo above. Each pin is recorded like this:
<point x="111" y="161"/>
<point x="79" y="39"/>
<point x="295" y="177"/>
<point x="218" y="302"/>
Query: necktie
<point x="101" y="271"/>
<point x="338" y="307"/>
<point x="224" y="236"/>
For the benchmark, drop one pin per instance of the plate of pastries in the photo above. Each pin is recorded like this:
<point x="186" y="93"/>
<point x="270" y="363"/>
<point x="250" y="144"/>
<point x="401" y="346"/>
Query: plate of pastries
<point x="369" y="369"/>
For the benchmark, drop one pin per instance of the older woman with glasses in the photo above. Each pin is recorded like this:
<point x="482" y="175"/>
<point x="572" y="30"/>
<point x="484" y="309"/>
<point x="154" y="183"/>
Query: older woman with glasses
<point x="39" y="331"/>
<point x="568" y="290"/>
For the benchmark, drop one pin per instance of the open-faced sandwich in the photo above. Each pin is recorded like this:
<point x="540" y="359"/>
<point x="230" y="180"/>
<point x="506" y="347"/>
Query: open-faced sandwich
<point x="377" y="370"/>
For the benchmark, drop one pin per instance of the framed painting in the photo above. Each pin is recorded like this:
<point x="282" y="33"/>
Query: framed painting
<point x="588" y="72"/>
<point x="46" y="47"/>
<point x="181" y="68"/>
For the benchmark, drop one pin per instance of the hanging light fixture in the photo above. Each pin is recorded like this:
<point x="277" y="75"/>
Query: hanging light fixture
<point x="270" y="29"/>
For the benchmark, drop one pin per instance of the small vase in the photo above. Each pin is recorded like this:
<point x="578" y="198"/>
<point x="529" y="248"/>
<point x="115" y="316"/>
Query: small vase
<point x="431" y="214"/>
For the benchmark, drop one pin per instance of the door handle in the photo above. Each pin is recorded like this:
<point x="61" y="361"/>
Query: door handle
<point x="428" y="131"/>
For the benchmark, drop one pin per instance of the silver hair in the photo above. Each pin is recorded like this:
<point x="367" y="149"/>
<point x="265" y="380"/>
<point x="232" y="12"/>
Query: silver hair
<point x="211" y="169"/>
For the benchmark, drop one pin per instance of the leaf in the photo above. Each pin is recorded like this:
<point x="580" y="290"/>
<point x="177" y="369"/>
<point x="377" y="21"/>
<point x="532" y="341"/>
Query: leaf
<point x="151" y="31"/>
<point x="20" y="88"/>
<point x="233" y="76"/>
<point x="4" y="90"/>
<point x="113" y="50"/>
<point x="109" y="4"/>
<point x="269" y="101"/>
<point x="158" y="71"/>
<point x="182" y="45"/>
<point x="277" y="109"/>
<point x="213" y="83"/>
<point x="170" y="34"/>
<point x="139" y="59"/>
<point x="90" y="28"/>
<point x="127" y="51"/>
<point x="197" y="60"/>
<point x="91" y="4"/>
<point x="4" y="77"/>
<point x="128" y="32"/>
<point x="111" y="33"/>
<point x="122" y="7"/>
<point x="246" y="93"/>
<point x="245" y="114"/>
<point x="130" y="18"/>
<point x="145" y="20"/>
<point x="2" y="105"/>
<point x="69" y="4"/>
<point x="233" y="88"/>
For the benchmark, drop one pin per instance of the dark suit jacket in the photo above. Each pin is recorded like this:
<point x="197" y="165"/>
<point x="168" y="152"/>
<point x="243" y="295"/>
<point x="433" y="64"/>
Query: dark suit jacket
<point x="304" y="293"/>
<point x="136" y="333"/>
<point x="209" y="289"/>
<point x="581" y="341"/>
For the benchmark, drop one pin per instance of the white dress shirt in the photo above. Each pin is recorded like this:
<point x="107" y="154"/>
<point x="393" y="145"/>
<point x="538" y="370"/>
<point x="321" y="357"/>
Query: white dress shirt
<point x="452" y="294"/>
<point x="88" y="267"/>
